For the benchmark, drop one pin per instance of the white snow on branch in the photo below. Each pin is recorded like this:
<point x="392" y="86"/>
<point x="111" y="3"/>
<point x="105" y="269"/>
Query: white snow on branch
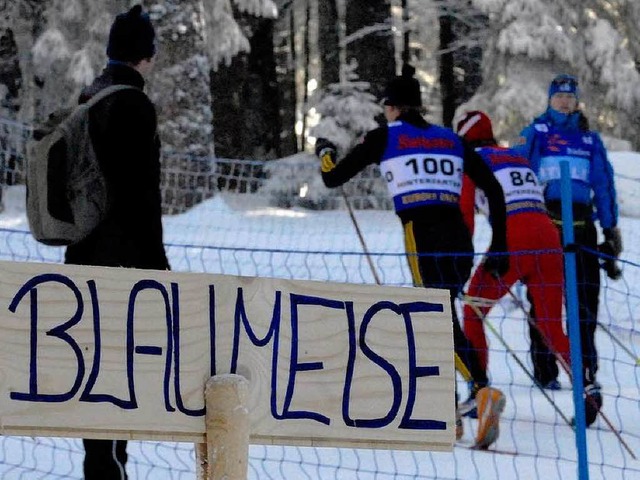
<point x="614" y="66"/>
<point x="258" y="8"/>
<point x="80" y="68"/>
<point x="364" y="31"/>
<point x="223" y="37"/>
<point x="50" y="47"/>
<point x="71" y="10"/>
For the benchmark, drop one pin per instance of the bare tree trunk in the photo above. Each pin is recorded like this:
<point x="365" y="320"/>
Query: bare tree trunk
<point x="370" y="41"/>
<point x="285" y="52"/>
<point x="405" y="33"/>
<point x="306" y="74"/>
<point x="447" y="79"/>
<point x="262" y="114"/>
<point x="10" y="74"/>
<point x="246" y="98"/>
<point x="329" y="42"/>
<point x="227" y="84"/>
<point x="468" y="25"/>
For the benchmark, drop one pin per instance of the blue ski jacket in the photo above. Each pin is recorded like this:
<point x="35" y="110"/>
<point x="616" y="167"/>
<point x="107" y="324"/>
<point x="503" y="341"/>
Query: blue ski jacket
<point x="553" y="137"/>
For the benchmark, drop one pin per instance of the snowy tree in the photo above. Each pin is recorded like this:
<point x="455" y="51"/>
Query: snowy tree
<point x="49" y="49"/>
<point x="285" y="51"/>
<point x="346" y="111"/>
<point x="53" y="63"/>
<point x="224" y="36"/>
<point x="22" y="21"/>
<point x="179" y="86"/>
<point x="195" y="37"/>
<point x="69" y="52"/>
<point x="532" y="40"/>
<point x="180" y="82"/>
<point x="245" y="89"/>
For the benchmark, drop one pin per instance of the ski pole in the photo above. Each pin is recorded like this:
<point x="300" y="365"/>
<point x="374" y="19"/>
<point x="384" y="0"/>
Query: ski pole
<point x="473" y="303"/>
<point x="566" y="368"/>
<point x="361" y="237"/>
<point x="620" y="344"/>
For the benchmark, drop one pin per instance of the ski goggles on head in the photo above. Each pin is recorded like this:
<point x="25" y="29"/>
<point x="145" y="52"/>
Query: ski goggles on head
<point x="564" y="84"/>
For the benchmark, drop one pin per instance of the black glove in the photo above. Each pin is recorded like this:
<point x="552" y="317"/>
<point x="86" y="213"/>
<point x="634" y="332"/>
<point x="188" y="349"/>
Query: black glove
<point x="614" y="239"/>
<point x="608" y="262"/>
<point x="497" y="264"/>
<point x="325" y="147"/>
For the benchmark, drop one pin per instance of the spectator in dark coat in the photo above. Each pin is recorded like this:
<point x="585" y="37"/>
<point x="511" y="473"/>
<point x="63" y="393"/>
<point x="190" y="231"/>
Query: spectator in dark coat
<point x="124" y="131"/>
<point x="123" y="128"/>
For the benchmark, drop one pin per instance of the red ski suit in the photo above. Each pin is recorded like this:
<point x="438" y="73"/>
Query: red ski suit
<point x="533" y="243"/>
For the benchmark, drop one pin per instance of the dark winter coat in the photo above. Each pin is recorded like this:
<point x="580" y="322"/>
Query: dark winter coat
<point x="437" y="241"/>
<point x="371" y="150"/>
<point x="123" y="129"/>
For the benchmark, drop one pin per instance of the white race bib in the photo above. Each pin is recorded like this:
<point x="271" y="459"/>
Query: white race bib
<point x="423" y="172"/>
<point x="519" y="184"/>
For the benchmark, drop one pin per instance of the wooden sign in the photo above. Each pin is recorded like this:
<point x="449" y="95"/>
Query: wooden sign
<point x="119" y="353"/>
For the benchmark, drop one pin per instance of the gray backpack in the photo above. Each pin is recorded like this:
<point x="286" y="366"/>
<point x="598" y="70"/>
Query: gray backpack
<point x="66" y="190"/>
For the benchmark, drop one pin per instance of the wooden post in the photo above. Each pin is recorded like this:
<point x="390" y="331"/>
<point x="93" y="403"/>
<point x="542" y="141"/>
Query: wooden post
<point x="226" y="453"/>
<point x="202" y="472"/>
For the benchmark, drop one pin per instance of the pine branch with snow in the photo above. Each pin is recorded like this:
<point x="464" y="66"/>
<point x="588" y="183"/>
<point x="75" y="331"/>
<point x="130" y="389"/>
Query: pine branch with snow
<point x="346" y="111"/>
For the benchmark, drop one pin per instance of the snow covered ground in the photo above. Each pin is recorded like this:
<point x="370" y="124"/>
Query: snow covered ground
<point x="219" y="237"/>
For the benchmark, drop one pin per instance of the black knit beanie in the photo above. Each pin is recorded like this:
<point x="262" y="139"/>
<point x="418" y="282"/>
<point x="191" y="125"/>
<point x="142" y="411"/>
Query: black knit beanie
<point x="403" y="90"/>
<point x="132" y="37"/>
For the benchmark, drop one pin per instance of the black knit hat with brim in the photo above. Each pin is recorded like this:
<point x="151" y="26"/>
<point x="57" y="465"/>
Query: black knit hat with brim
<point x="403" y="90"/>
<point x="132" y="37"/>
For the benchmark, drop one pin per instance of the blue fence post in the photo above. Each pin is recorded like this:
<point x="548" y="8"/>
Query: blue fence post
<point x="573" y="320"/>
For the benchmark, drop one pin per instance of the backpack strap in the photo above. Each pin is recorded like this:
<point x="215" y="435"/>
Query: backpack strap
<point x="105" y="92"/>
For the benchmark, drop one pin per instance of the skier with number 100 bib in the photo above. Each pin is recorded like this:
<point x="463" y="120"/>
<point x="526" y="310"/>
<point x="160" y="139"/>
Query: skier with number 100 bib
<point x="423" y="165"/>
